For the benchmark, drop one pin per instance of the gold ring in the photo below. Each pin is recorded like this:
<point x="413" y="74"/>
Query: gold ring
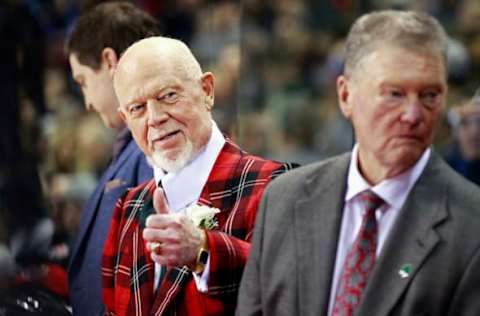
<point x="155" y="246"/>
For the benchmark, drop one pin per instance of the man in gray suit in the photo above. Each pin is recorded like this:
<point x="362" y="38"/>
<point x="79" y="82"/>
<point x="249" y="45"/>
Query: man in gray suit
<point x="388" y="229"/>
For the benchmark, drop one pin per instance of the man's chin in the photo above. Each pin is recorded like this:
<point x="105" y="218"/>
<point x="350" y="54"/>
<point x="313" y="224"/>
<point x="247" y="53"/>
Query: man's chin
<point x="405" y="159"/>
<point x="172" y="164"/>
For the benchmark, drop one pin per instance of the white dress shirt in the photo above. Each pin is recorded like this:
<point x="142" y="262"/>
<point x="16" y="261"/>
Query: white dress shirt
<point x="393" y="191"/>
<point x="184" y="188"/>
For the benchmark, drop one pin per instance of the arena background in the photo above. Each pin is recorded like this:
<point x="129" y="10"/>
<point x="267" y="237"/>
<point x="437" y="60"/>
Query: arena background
<point x="275" y="62"/>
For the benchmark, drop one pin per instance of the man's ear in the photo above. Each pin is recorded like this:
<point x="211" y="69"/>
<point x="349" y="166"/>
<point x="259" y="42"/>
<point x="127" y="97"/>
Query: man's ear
<point x="208" y="87"/>
<point x="110" y="60"/>
<point x="344" y="94"/>
<point x="122" y="115"/>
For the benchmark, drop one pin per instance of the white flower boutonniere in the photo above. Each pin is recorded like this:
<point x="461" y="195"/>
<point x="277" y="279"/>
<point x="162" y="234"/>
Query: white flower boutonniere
<point x="202" y="216"/>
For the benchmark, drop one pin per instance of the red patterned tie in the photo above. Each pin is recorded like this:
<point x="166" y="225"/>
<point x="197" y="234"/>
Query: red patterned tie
<point x="360" y="259"/>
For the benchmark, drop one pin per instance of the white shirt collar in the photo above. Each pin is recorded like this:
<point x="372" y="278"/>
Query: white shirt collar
<point x="393" y="191"/>
<point x="184" y="187"/>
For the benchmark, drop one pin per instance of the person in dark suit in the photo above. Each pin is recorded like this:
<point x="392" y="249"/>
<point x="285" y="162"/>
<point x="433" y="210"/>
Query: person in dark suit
<point x="178" y="243"/>
<point x="465" y="155"/>
<point x="94" y="47"/>
<point x="388" y="229"/>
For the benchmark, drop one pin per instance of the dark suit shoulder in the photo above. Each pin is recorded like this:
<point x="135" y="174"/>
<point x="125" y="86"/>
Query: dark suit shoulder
<point x="300" y="184"/>
<point x="137" y="162"/>
<point x="302" y="177"/>
<point x="454" y="208"/>
<point x="459" y="184"/>
<point x="464" y="196"/>
<point x="458" y="187"/>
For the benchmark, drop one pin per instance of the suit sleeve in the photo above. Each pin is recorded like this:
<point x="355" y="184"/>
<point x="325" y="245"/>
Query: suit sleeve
<point x="250" y="294"/>
<point x="145" y="171"/>
<point x="466" y="299"/>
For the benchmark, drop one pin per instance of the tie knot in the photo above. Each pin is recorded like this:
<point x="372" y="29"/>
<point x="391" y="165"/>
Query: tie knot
<point x="371" y="200"/>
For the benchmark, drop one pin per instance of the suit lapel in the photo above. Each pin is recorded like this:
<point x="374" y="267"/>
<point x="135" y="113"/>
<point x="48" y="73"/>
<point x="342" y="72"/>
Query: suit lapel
<point x="317" y="228"/>
<point x="92" y="205"/>
<point x="409" y="243"/>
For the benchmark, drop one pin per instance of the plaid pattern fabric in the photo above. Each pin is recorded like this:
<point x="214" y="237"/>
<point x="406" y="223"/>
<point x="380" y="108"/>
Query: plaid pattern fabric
<point x="234" y="186"/>
<point x="360" y="259"/>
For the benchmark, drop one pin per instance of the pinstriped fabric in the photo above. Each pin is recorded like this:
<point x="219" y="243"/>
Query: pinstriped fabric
<point x="360" y="259"/>
<point x="234" y="186"/>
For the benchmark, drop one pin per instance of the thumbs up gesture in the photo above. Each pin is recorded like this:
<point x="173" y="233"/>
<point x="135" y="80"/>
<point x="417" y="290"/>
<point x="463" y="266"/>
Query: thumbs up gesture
<point x="160" y="202"/>
<point x="172" y="238"/>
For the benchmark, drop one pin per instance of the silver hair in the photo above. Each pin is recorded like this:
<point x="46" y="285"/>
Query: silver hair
<point x="417" y="31"/>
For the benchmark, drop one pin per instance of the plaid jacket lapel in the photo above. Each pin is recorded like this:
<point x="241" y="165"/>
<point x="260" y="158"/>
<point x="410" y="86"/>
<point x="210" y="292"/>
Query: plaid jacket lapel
<point x="174" y="281"/>
<point x="147" y="208"/>
<point x="142" y="272"/>
<point x="127" y="269"/>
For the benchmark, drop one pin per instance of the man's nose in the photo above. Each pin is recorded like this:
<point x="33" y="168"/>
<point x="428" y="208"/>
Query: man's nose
<point x="156" y="113"/>
<point x="412" y="112"/>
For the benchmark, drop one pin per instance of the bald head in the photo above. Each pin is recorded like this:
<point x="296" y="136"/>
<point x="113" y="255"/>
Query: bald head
<point x="165" y="99"/>
<point x="159" y="52"/>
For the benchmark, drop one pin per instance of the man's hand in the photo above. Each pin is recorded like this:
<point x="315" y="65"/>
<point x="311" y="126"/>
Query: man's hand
<point x="179" y="239"/>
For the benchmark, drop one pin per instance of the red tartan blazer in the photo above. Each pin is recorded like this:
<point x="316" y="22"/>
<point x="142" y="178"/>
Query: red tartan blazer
<point x="235" y="186"/>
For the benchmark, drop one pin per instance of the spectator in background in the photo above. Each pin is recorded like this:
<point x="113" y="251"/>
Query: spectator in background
<point x="465" y="121"/>
<point x="94" y="47"/>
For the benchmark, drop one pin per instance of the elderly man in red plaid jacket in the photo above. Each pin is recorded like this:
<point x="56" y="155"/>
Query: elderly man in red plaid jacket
<point x="165" y="255"/>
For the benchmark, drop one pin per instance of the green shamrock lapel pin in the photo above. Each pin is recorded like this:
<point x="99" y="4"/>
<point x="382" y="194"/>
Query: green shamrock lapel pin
<point x="405" y="270"/>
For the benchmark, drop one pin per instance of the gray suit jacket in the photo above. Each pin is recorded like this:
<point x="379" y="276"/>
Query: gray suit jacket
<point x="437" y="234"/>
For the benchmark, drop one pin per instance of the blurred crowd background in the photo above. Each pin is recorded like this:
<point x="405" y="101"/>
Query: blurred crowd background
<point x="275" y="62"/>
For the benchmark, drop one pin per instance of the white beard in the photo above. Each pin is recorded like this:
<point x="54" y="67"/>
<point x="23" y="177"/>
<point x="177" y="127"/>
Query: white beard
<point x="173" y="165"/>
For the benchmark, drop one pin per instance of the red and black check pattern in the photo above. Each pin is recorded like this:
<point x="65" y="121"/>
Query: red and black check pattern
<point x="360" y="259"/>
<point x="235" y="186"/>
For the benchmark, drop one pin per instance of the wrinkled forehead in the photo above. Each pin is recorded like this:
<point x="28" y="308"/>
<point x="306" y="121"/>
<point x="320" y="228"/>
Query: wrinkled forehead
<point x="140" y="79"/>
<point x="142" y="59"/>
<point x="130" y="64"/>
<point x="134" y="81"/>
<point x="139" y="67"/>
<point x="389" y="56"/>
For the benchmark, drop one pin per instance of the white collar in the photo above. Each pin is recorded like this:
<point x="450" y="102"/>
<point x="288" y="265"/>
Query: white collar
<point x="393" y="191"/>
<point x="184" y="187"/>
